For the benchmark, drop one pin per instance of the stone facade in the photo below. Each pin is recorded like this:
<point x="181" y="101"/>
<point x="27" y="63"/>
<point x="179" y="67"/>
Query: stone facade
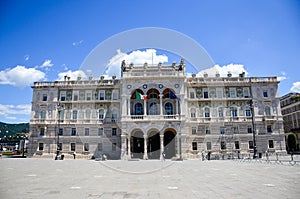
<point x="155" y="109"/>
<point x="290" y="108"/>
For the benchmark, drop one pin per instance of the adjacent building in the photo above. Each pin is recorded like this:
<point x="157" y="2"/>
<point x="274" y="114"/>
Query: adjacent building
<point x="152" y="109"/>
<point x="290" y="108"/>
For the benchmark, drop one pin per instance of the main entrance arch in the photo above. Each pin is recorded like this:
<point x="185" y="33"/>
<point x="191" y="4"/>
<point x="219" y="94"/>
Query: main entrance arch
<point x="169" y="143"/>
<point x="153" y="145"/>
<point x="137" y="144"/>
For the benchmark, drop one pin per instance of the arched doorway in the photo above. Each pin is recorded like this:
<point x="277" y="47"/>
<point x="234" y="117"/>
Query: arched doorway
<point x="153" y="145"/>
<point x="137" y="145"/>
<point x="169" y="143"/>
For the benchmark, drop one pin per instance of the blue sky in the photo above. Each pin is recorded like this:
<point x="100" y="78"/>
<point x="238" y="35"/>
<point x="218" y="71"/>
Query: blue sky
<point x="41" y="39"/>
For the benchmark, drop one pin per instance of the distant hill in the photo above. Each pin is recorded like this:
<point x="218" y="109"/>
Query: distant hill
<point x="13" y="129"/>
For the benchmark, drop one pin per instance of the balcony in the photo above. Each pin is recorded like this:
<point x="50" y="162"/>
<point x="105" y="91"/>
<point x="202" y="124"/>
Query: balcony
<point x="151" y="117"/>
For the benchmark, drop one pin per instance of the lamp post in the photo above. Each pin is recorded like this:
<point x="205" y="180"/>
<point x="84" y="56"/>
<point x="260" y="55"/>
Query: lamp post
<point x="253" y="130"/>
<point x="59" y="109"/>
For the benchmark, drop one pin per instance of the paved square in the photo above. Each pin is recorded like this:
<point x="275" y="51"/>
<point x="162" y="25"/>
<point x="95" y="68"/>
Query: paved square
<point x="47" y="178"/>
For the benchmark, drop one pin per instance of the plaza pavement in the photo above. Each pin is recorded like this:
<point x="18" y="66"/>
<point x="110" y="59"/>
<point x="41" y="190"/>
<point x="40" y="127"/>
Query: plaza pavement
<point x="64" y="179"/>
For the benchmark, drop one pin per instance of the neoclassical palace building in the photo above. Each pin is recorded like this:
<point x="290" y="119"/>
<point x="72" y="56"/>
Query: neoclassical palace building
<point x="152" y="109"/>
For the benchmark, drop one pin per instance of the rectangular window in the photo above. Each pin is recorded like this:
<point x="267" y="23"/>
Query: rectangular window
<point x="234" y="112"/>
<point x="194" y="130"/>
<point x="219" y="93"/>
<point x="237" y="145"/>
<point x="193" y="114"/>
<point x="44" y="97"/>
<point x="86" y="131"/>
<point x="87" y="114"/>
<point x="114" y="117"/>
<point x="248" y="112"/>
<point x="74" y="116"/>
<point x="114" y="146"/>
<point x="89" y="96"/>
<point x="223" y="145"/>
<point x="114" y="131"/>
<point x="115" y="96"/>
<point x="86" y="147"/>
<point x="75" y="96"/>
<point x="41" y="146"/>
<point x="192" y="95"/>
<point x="246" y="92"/>
<point x="100" y="131"/>
<point x="220" y="111"/>
<point x="73" y="146"/>
<point x="232" y="92"/>
<point x="100" y="147"/>
<point x="249" y="129"/>
<point x="251" y="144"/>
<point x="73" y="132"/>
<point x="43" y="114"/>
<point x="61" y="131"/>
<point x="101" y="95"/>
<point x="63" y="96"/>
<point x="208" y="145"/>
<point x="194" y="145"/>
<point x="206" y="94"/>
<point x="265" y="93"/>
<point x="207" y="130"/>
<point x="222" y="130"/>
<point x="235" y="130"/>
<point x="269" y="128"/>
<point x="271" y="144"/>
<point x="42" y="131"/>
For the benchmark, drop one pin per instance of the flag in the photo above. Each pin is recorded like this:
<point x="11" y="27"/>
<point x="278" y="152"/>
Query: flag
<point x="172" y="95"/>
<point x="140" y="96"/>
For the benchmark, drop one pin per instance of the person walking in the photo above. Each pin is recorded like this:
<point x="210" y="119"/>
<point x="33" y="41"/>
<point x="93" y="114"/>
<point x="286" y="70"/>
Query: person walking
<point x="163" y="156"/>
<point x="74" y="155"/>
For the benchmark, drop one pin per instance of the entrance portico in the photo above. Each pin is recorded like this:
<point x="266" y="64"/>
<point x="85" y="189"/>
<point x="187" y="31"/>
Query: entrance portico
<point x="150" y="145"/>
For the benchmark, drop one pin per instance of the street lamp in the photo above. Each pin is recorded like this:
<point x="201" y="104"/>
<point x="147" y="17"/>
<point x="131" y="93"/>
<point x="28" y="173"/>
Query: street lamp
<point x="59" y="109"/>
<point x="253" y="130"/>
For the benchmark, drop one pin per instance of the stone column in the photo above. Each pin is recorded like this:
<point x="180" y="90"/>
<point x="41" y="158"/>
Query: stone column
<point x="123" y="146"/>
<point x="128" y="106"/>
<point x="145" y="107"/>
<point x="161" y="145"/>
<point x="129" y="148"/>
<point x="161" y="105"/>
<point x="176" y="107"/>
<point x="145" y="148"/>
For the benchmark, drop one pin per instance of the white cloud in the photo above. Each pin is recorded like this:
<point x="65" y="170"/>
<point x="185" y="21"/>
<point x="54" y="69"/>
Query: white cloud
<point x="26" y="57"/>
<point x="137" y="57"/>
<point x="281" y="78"/>
<point x="9" y="111"/>
<point x="20" y="76"/>
<point x="77" y="43"/>
<point x="234" y="69"/>
<point x="72" y="74"/>
<point x="296" y="87"/>
<point x="46" y="64"/>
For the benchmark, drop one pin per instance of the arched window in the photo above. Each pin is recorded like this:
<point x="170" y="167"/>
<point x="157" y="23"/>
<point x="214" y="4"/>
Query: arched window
<point x="168" y="108"/>
<point x="138" y="109"/>
<point x="153" y="109"/>
<point x="267" y="111"/>
<point x="206" y="112"/>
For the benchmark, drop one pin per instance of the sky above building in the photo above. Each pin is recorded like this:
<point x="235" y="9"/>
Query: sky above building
<point x="46" y="40"/>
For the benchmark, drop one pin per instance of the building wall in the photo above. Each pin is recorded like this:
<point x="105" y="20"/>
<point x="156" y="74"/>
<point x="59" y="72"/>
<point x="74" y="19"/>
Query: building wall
<point x="211" y="114"/>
